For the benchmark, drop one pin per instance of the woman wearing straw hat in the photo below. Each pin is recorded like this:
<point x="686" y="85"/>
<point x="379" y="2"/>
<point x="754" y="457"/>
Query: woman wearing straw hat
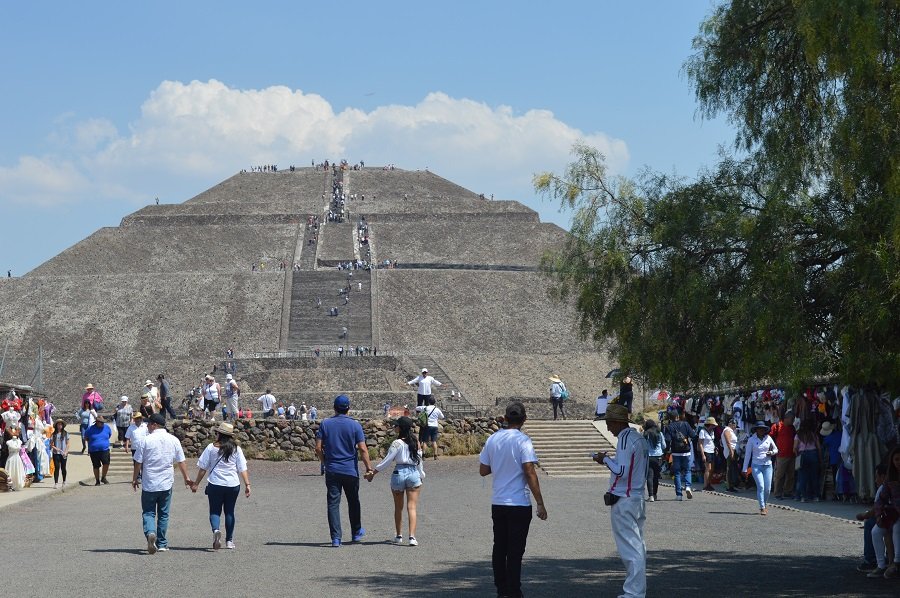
<point x="224" y="461"/>
<point x="407" y="477"/>
<point x="707" y="438"/>
<point x="760" y="450"/>
<point x="558" y="394"/>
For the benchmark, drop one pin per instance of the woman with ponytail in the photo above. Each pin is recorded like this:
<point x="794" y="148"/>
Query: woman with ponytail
<point x="407" y="477"/>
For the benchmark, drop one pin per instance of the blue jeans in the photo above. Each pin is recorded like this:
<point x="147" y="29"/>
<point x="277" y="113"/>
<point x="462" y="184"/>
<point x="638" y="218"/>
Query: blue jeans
<point x="222" y="498"/>
<point x="868" y="545"/>
<point x="682" y="472"/>
<point x="155" y="507"/>
<point x="349" y="485"/>
<point x="762" y="475"/>
<point x="809" y="474"/>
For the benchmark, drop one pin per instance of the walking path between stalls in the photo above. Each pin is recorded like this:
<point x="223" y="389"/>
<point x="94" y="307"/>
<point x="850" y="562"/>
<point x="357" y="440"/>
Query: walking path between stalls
<point x="78" y="470"/>
<point x="841" y="511"/>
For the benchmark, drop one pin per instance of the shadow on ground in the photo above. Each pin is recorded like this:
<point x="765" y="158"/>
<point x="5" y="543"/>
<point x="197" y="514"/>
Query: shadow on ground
<point x="669" y="573"/>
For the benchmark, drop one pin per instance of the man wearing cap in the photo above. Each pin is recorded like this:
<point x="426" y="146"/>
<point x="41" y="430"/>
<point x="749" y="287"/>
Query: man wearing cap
<point x="232" y="396"/>
<point x="627" y="515"/>
<point x="339" y="442"/>
<point x="424" y="381"/>
<point x="153" y="461"/>
<point x="135" y="433"/>
<point x="509" y="456"/>
<point x="97" y="437"/>
<point x="123" y="419"/>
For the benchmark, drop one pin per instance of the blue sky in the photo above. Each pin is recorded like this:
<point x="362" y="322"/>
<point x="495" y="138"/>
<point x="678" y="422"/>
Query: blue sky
<point x="105" y="105"/>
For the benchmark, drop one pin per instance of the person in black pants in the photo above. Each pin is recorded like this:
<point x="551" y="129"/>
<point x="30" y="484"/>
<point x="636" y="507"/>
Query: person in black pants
<point x="509" y="456"/>
<point x="165" y="396"/>
<point x="59" y="446"/>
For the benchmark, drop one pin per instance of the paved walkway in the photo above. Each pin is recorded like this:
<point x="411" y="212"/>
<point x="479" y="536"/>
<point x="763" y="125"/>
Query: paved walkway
<point x="90" y="539"/>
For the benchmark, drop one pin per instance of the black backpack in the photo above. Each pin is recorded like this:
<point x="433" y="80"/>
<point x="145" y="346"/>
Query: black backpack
<point x="680" y="443"/>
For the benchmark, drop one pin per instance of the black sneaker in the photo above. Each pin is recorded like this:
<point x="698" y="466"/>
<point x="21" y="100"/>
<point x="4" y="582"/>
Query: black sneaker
<point x="97" y="483"/>
<point x="104" y="480"/>
<point x="865" y="567"/>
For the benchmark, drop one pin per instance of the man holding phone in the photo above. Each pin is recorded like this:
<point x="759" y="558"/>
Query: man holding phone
<point x="626" y="498"/>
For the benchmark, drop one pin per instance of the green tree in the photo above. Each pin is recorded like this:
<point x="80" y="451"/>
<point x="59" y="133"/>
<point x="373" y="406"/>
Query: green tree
<point x="781" y="262"/>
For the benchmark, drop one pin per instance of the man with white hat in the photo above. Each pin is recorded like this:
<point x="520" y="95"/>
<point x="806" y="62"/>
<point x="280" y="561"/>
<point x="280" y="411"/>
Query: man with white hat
<point x="424" y="381"/>
<point x="232" y="396"/>
<point x="123" y="419"/>
<point x="626" y="497"/>
<point x="151" y="390"/>
<point x="558" y="394"/>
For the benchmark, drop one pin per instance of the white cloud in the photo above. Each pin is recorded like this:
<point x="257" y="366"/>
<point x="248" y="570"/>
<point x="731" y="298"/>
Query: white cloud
<point x="202" y="131"/>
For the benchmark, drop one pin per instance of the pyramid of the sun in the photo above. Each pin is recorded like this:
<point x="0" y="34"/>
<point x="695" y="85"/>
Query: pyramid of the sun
<point x="174" y="286"/>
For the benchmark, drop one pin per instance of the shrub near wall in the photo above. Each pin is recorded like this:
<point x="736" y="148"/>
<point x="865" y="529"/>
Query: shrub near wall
<point x="281" y="440"/>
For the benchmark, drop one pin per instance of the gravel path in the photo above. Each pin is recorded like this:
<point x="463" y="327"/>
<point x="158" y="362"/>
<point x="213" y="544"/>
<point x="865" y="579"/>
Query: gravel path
<point x="90" y="539"/>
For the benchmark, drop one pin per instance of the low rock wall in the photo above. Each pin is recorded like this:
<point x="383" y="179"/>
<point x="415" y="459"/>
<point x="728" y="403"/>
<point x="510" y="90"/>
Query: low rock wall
<point x="282" y="440"/>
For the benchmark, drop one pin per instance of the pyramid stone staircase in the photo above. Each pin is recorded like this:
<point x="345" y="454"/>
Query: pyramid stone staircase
<point x="564" y="447"/>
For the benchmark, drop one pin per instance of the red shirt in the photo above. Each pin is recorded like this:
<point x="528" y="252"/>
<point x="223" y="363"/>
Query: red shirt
<point x="783" y="435"/>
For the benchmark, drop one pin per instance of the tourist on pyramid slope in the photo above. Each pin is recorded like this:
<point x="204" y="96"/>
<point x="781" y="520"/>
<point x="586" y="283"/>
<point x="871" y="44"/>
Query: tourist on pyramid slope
<point x="424" y="381"/>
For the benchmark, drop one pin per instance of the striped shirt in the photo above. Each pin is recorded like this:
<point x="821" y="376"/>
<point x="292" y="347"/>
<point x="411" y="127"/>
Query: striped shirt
<point x="629" y="467"/>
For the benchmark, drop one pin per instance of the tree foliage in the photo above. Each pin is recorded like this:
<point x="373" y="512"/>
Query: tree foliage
<point x="781" y="262"/>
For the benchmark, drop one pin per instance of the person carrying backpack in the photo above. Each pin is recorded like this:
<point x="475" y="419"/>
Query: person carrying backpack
<point x="679" y="436"/>
<point x="558" y="394"/>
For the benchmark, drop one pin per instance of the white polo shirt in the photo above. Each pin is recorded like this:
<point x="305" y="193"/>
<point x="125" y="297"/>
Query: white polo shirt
<point x="157" y="453"/>
<point x="424" y="383"/>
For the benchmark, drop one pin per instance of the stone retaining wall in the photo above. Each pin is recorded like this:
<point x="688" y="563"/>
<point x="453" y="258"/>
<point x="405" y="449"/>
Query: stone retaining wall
<point x="282" y="440"/>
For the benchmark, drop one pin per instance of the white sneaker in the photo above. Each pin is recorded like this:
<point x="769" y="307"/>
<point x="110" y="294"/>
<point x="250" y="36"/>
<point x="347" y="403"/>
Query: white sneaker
<point x="163" y="549"/>
<point x="413" y="541"/>
<point x="151" y="543"/>
<point x="398" y="540"/>
<point x="65" y="484"/>
<point x="217" y="539"/>
<point x="229" y="545"/>
<point x="56" y="486"/>
<point x="651" y="499"/>
<point x="688" y="493"/>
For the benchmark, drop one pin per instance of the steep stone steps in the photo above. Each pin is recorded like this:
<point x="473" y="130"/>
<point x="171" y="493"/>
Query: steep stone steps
<point x="312" y="327"/>
<point x="564" y="447"/>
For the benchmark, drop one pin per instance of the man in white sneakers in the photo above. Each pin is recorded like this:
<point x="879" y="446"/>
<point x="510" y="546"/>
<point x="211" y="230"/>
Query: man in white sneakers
<point x="509" y="456"/>
<point x="626" y="497"/>
<point x="155" y="454"/>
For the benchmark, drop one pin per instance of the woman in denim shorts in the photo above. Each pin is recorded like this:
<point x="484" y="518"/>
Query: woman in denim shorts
<point x="407" y="477"/>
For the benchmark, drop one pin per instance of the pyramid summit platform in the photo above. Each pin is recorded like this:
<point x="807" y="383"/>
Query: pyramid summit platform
<point x="454" y="285"/>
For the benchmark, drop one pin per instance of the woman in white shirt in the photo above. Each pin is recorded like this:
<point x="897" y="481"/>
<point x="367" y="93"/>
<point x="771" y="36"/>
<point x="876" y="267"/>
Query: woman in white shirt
<point x="224" y="461"/>
<point x="407" y="477"/>
<point x="707" y="438"/>
<point x="760" y="450"/>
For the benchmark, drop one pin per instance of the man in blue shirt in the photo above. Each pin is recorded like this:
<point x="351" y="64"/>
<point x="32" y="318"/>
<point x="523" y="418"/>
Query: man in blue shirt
<point x="97" y="437"/>
<point x="338" y="441"/>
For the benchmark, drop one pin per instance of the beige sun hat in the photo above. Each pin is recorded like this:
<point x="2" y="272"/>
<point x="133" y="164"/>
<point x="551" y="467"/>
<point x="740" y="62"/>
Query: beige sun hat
<point x="226" y="429"/>
<point x="710" y="421"/>
<point x="555" y="378"/>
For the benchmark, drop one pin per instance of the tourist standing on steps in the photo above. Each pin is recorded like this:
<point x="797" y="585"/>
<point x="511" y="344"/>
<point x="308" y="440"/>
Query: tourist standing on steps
<point x="340" y="442"/>
<point x="98" y="437"/>
<point x="626" y="498"/>
<point x="424" y="381"/>
<point x="759" y="452"/>
<point x="407" y="478"/>
<point x="509" y="456"/>
<point x="232" y="397"/>
<point x="165" y="396"/>
<point x="153" y="461"/>
<point x="225" y="463"/>
<point x="558" y="394"/>
<point x="626" y="393"/>
<point x="123" y="419"/>
<point x="212" y="393"/>
<point x="602" y="403"/>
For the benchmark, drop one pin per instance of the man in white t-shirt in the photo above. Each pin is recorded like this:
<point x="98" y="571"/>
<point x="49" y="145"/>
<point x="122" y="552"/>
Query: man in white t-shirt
<point x="602" y="402"/>
<point x="509" y="456"/>
<point x="424" y="381"/>
<point x="268" y="403"/>
<point x="429" y="434"/>
<point x="153" y="463"/>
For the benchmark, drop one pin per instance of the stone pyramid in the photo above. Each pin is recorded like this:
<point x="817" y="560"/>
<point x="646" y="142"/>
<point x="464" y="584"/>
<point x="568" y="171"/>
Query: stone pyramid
<point x="174" y="286"/>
